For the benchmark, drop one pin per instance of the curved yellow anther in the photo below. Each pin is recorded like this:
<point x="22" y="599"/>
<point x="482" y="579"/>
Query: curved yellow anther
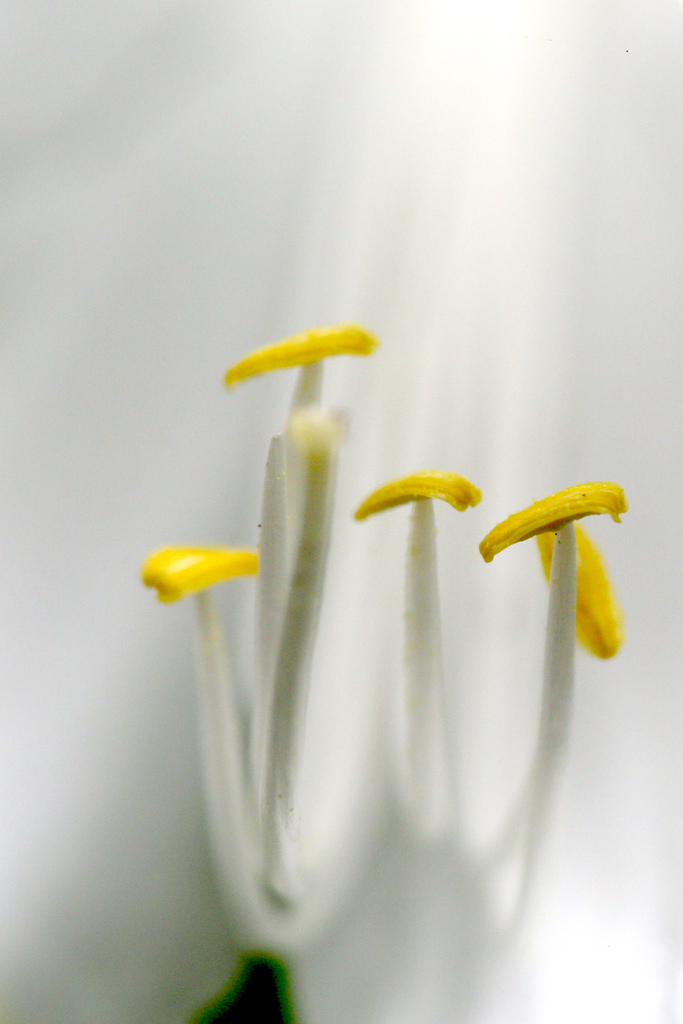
<point x="553" y="512"/>
<point x="176" y="572"/>
<point x="599" y="618"/>
<point x="308" y="347"/>
<point x="433" y="483"/>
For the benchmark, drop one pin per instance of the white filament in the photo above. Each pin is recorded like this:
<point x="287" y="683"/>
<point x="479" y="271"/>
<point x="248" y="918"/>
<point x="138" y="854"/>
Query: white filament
<point x="309" y="386"/>
<point x="558" y="686"/>
<point x="426" y="755"/>
<point x="528" y="831"/>
<point x="231" y="809"/>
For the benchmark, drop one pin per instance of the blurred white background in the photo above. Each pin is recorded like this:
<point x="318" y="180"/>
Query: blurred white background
<point x="497" y="192"/>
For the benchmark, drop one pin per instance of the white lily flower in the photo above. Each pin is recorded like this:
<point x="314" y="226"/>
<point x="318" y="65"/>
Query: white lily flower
<point x="495" y="190"/>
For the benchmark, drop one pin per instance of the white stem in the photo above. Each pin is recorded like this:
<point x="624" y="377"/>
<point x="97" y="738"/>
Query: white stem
<point x="426" y="753"/>
<point x="316" y="435"/>
<point x="229" y="803"/>
<point x="309" y="386"/>
<point x="556" y="702"/>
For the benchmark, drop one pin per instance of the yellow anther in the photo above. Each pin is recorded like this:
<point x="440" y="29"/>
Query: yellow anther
<point x="599" y="618"/>
<point x="308" y="347"/>
<point x="433" y="483"/>
<point x="554" y="512"/>
<point x="176" y="572"/>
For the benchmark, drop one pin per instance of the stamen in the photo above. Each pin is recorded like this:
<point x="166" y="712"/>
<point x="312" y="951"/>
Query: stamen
<point x="176" y="572"/>
<point x="554" y="512"/>
<point x="599" y="618"/>
<point x="427" y="764"/>
<point x="432" y="483"/>
<point x="598" y="626"/>
<point x="300" y="349"/>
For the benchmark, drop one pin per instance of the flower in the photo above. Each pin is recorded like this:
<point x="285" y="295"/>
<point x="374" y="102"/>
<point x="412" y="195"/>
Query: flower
<point x="495" y="188"/>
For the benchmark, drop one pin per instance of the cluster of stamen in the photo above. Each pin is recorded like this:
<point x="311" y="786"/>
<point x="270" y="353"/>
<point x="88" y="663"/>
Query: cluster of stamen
<point x="257" y="806"/>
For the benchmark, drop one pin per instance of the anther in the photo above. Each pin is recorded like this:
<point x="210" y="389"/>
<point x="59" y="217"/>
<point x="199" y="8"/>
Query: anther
<point x="431" y="483"/>
<point x="301" y="349"/>
<point x="175" y="572"/>
<point x="553" y="513"/>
